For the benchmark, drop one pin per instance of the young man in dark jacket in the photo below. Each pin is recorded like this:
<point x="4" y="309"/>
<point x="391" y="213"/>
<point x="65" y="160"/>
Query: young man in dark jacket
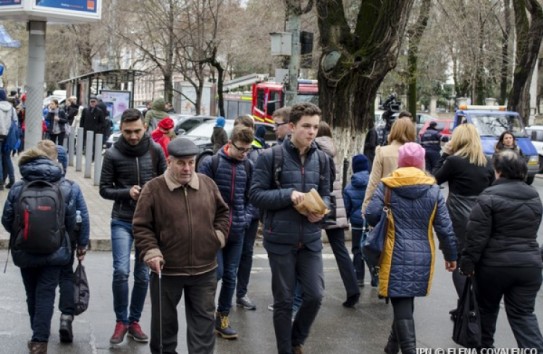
<point x="293" y="240"/>
<point x="131" y="162"/>
<point x="233" y="177"/>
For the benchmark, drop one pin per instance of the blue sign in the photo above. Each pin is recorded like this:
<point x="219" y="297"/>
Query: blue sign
<point x="73" y="5"/>
<point x="10" y="2"/>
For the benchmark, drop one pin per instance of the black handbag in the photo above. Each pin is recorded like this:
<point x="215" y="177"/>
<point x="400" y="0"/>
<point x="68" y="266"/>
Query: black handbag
<point x="81" y="289"/>
<point x="467" y="324"/>
<point x="374" y="243"/>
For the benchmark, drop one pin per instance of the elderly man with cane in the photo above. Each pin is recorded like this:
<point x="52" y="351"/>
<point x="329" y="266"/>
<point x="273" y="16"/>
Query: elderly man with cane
<point x="179" y="224"/>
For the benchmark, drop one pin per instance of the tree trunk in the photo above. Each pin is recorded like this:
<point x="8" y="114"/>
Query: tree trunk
<point x="353" y="64"/>
<point x="415" y="34"/>
<point x="528" y="45"/>
<point x="504" y="75"/>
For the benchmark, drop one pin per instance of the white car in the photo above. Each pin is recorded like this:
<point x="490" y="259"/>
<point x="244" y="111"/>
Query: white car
<point x="535" y="132"/>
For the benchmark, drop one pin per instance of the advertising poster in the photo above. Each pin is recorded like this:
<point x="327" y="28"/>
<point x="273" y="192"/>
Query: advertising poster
<point x="10" y="2"/>
<point x="116" y="101"/>
<point x="88" y="6"/>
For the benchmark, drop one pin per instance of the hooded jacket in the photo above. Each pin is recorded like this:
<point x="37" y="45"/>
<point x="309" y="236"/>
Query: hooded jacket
<point x="155" y="114"/>
<point x="353" y="196"/>
<point x="7" y="116"/>
<point x="417" y="206"/>
<point x="234" y="182"/>
<point x="125" y="166"/>
<point x="503" y="226"/>
<point x="38" y="167"/>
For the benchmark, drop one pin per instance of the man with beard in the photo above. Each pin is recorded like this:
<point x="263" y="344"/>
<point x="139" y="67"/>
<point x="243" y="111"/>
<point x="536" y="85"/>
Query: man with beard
<point x="131" y="162"/>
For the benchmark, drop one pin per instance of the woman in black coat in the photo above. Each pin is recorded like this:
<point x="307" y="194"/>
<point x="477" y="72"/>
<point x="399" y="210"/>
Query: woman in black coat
<point x="56" y="120"/>
<point x="502" y="252"/>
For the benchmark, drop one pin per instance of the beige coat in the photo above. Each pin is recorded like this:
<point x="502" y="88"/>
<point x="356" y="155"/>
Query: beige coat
<point x="385" y="161"/>
<point x="326" y="144"/>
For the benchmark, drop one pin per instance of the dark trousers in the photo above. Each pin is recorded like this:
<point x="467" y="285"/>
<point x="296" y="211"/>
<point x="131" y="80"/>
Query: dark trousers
<point x="306" y="267"/>
<point x="358" y="261"/>
<point x="246" y="260"/>
<point x="518" y="287"/>
<point x="58" y="139"/>
<point x="40" y="286"/>
<point x="336" y="238"/>
<point x="199" y="312"/>
<point x="66" y="303"/>
<point x="403" y="307"/>
<point x="431" y="157"/>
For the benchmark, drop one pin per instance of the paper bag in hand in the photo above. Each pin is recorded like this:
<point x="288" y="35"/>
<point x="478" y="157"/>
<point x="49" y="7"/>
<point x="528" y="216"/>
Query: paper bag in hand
<point x="312" y="204"/>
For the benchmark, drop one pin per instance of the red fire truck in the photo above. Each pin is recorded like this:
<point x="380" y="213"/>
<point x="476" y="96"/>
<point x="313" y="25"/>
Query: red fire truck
<point x="269" y="96"/>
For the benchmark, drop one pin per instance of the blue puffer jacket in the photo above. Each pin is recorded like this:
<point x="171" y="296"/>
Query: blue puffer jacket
<point x="284" y="228"/>
<point x="40" y="168"/>
<point x="353" y="197"/>
<point x="233" y="182"/>
<point x="409" y="251"/>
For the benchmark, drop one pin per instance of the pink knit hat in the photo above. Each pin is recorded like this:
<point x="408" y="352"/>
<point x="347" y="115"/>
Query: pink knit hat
<point x="411" y="155"/>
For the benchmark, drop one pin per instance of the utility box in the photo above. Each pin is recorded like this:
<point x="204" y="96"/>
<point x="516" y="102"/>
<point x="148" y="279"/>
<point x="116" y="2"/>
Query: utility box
<point x="281" y="43"/>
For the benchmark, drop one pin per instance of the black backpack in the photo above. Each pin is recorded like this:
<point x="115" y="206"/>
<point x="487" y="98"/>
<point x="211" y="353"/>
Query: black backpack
<point x="39" y="218"/>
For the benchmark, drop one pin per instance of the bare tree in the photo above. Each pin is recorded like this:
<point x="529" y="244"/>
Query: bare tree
<point x="528" y="45"/>
<point x="355" y="59"/>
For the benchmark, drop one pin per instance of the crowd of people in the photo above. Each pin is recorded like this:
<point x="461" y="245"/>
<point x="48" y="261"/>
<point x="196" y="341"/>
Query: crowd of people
<point x="193" y="226"/>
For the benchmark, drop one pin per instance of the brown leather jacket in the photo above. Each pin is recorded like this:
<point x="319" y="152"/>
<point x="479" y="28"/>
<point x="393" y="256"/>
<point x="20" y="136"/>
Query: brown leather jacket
<point x="185" y="225"/>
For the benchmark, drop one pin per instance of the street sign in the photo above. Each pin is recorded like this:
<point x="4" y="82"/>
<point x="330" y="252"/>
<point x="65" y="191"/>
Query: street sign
<point x="52" y="11"/>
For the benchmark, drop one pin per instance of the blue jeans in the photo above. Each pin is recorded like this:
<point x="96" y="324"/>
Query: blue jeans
<point x="228" y="260"/>
<point x="40" y="285"/>
<point x="246" y="260"/>
<point x="121" y="246"/>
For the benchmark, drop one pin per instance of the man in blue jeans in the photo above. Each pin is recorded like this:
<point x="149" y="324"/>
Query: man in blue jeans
<point x="292" y="238"/>
<point x="132" y="161"/>
<point x="231" y="171"/>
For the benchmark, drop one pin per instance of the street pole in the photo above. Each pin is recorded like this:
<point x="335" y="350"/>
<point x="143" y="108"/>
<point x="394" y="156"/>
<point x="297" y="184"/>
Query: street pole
<point x="34" y="82"/>
<point x="293" y="26"/>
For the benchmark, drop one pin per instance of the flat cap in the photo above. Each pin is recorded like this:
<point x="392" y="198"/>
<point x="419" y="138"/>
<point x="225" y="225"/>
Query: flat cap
<point x="182" y="147"/>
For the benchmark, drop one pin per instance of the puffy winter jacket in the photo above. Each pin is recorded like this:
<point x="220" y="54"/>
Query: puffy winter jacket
<point x="32" y="168"/>
<point x="409" y="253"/>
<point x="234" y="183"/>
<point x="502" y="227"/>
<point x="353" y="196"/>
<point x="125" y="166"/>
<point x="284" y="228"/>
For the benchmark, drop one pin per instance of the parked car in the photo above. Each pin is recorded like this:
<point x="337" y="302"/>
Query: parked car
<point x="185" y="123"/>
<point x="201" y="136"/>
<point x="421" y="119"/>
<point x="445" y="127"/>
<point x="535" y="132"/>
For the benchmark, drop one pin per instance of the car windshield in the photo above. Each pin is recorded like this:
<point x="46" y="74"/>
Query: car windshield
<point x="489" y="124"/>
<point x="307" y="98"/>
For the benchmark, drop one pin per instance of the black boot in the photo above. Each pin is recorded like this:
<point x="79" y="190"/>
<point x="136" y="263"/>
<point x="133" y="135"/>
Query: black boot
<point x="405" y="330"/>
<point x="392" y="347"/>
<point x="65" y="329"/>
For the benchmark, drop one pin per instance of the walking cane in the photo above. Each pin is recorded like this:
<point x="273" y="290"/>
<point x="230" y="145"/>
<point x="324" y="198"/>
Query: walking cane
<point x="160" y="308"/>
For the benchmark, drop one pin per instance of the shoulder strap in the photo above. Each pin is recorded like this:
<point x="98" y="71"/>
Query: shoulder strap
<point x="277" y="153"/>
<point x="214" y="164"/>
<point x="324" y="165"/>
<point x="387" y="196"/>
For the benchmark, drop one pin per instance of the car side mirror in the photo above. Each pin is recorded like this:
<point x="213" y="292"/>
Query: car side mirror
<point x="180" y="131"/>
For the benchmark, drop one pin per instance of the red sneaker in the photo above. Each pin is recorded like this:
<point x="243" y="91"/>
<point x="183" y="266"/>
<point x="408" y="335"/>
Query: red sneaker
<point x="134" y="331"/>
<point x="120" y="332"/>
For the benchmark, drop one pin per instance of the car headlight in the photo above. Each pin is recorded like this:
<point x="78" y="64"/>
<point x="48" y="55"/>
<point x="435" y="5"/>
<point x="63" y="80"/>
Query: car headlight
<point x="533" y="160"/>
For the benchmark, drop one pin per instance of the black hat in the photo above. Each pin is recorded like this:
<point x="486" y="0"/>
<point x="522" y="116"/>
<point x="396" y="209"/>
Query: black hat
<point x="432" y="124"/>
<point x="93" y="98"/>
<point x="182" y="147"/>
